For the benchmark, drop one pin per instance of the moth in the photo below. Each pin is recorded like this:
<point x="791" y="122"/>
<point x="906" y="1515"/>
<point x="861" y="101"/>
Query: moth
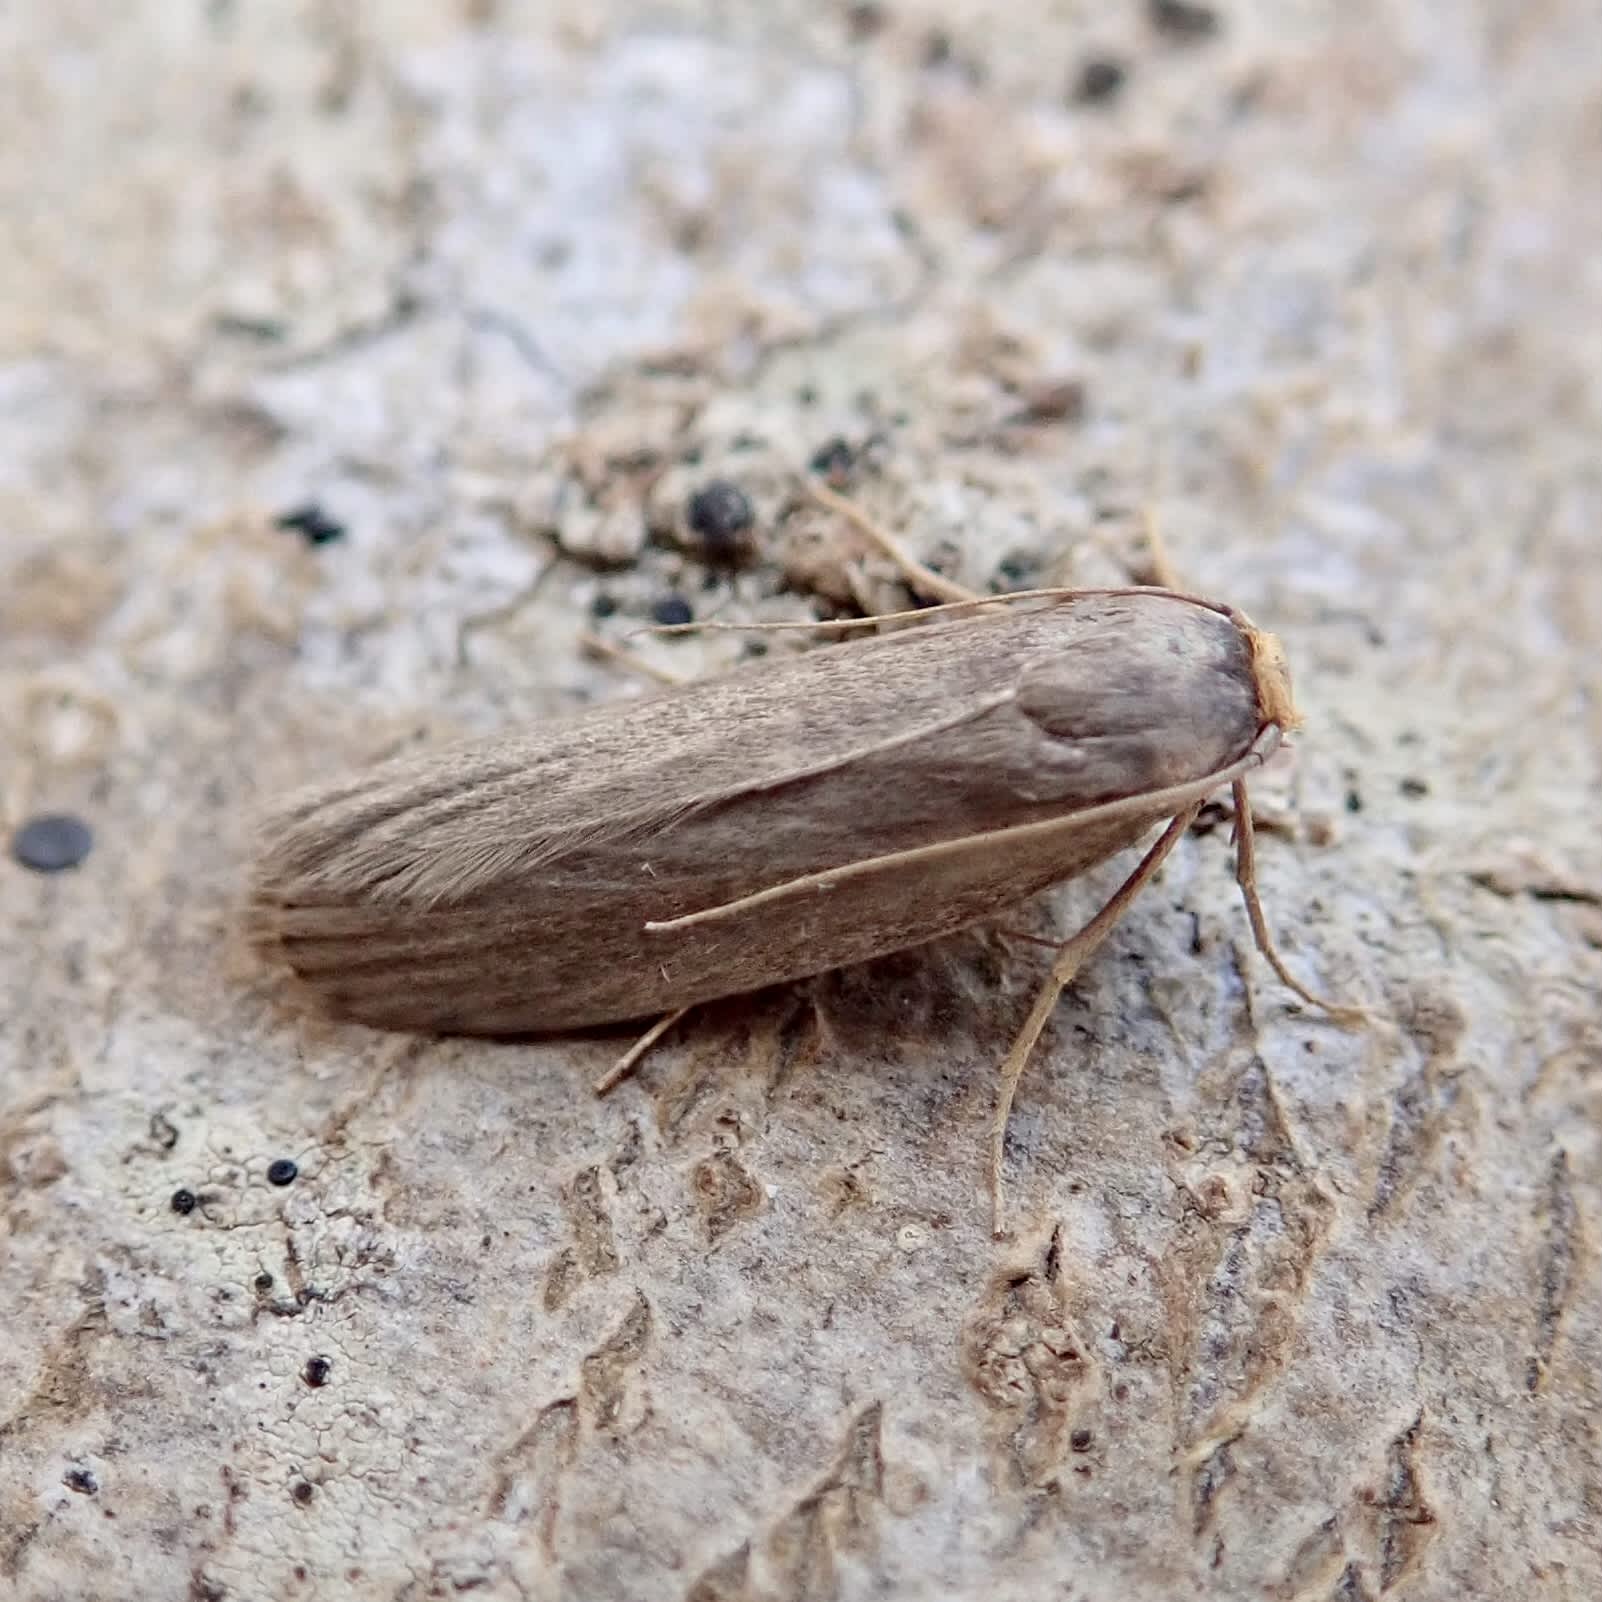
<point x="795" y="816"/>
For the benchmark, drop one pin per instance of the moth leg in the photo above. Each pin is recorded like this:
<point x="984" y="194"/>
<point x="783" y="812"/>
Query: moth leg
<point x="1007" y="931"/>
<point x="923" y="580"/>
<point x="1070" y="959"/>
<point x="605" y="649"/>
<point x="1163" y="571"/>
<point x="1246" y="878"/>
<point x="626" y="1064"/>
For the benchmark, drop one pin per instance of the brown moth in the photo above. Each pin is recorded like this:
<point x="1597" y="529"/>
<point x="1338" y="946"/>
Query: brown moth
<point x="792" y="817"/>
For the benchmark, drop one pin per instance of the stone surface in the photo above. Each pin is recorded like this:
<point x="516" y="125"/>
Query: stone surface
<point x="1291" y="1312"/>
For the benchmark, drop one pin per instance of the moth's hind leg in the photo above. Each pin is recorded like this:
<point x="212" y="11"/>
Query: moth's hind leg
<point x="1070" y="959"/>
<point x="630" y="1060"/>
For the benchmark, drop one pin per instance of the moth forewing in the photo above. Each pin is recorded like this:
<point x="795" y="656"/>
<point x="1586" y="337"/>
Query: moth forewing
<point x="798" y="815"/>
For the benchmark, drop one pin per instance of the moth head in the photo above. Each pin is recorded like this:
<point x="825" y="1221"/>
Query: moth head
<point x="1271" y="673"/>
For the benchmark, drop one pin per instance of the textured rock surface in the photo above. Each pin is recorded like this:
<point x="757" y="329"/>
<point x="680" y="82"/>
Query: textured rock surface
<point x="494" y="288"/>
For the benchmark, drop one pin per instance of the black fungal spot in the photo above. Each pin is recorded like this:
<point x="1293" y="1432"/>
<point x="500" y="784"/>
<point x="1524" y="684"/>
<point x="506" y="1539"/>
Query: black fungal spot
<point x="671" y="611"/>
<point x="602" y="606"/>
<point x="81" y="1481"/>
<point x="834" y="459"/>
<point x="316" y="1371"/>
<point x="312" y="523"/>
<point x="719" y="514"/>
<point x="52" y="842"/>
<point x="1413" y="789"/>
<point x="1016" y="571"/>
<point x="1100" y="80"/>
<point x="269" y="330"/>
<point x="263" y="1282"/>
<point x="866" y="18"/>
<point x="1059" y="402"/>
<point x="184" y="1202"/>
<point x="282" y="1171"/>
<point x="303" y="1491"/>
<point x="1081" y="1440"/>
<point x="1354" y="801"/>
<point x="1182" y="20"/>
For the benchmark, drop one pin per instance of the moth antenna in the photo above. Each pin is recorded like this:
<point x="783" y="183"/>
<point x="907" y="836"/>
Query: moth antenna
<point x="596" y="646"/>
<point x="1246" y="878"/>
<point x="1156" y="804"/>
<point x="924" y="613"/>
<point x="922" y="580"/>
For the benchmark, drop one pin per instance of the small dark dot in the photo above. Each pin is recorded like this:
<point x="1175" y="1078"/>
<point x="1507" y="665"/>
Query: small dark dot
<point x="671" y="611"/>
<point x="184" y="1202"/>
<point x="1059" y="402"/>
<point x="865" y="19"/>
<point x="267" y="329"/>
<point x="937" y="49"/>
<point x="316" y="1371"/>
<point x="1100" y="79"/>
<point x="1414" y="788"/>
<point x="1354" y="802"/>
<point x="603" y="606"/>
<point x="834" y="459"/>
<point x="1080" y="1440"/>
<point x="1016" y="570"/>
<point x="264" y="1281"/>
<point x="81" y="1481"/>
<point x="807" y="395"/>
<point x="303" y="1491"/>
<point x="312" y="523"/>
<point x="1182" y="19"/>
<point x="720" y="515"/>
<point x="51" y="842"/>
<point x="281" y="1171"/>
